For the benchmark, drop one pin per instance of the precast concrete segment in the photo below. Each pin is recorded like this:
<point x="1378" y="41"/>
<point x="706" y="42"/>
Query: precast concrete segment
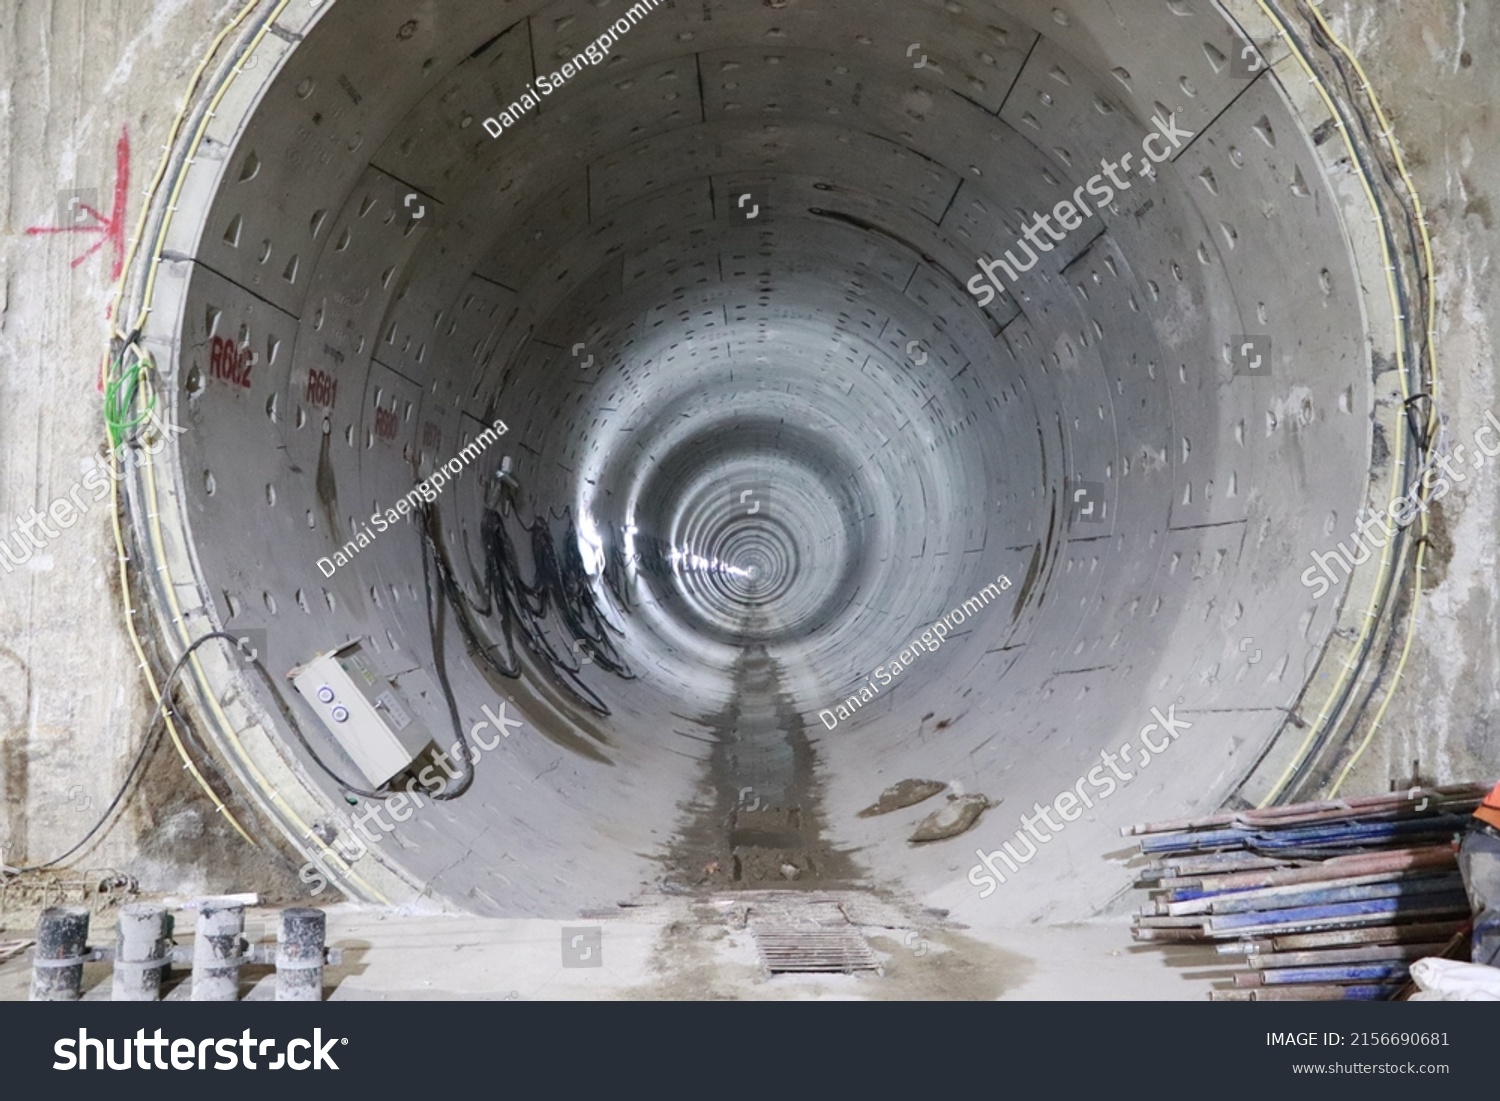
<point x="715" y="287"/>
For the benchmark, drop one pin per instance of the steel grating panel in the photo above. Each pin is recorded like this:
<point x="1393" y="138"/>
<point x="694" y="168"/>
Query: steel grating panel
<point x="813" y="948"/>
<point x="803" y="933"/>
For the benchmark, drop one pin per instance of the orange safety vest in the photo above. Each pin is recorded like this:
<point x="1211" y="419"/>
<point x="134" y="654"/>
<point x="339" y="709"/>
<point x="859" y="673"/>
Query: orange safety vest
<point x="1489" y="810"/>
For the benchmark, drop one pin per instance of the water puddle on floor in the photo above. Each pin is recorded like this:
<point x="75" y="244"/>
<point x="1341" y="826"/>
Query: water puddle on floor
<point x="758" y="821"/>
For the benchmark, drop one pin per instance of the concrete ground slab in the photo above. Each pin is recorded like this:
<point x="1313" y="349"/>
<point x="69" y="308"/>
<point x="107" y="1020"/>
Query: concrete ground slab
<point x="695" y="949"/>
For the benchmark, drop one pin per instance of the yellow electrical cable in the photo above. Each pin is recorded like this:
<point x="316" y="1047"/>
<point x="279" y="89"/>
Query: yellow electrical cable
<point x="1385" y="563"/>
<point x="1401" y="334"/>
<point x="154" y="525"/>
<point x="161" y="171"/>
<point x="1432" y="358"/>
<point x="120" y="555"/>
<point x="140" y="653"/>
<point x="114" y="483"/>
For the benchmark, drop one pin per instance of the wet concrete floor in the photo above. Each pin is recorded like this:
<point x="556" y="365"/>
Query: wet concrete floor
<point x="758" y="821"/>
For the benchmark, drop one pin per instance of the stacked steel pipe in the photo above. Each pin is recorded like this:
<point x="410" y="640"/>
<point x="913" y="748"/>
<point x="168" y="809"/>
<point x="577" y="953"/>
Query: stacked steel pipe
<point x="1317" y="901"/>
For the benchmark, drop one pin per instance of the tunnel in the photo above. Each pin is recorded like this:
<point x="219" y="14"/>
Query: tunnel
<point x="661" y="423"/>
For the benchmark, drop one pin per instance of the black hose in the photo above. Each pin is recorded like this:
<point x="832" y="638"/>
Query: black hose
<point x="559" y="593"/>
<point x="153" y="734"/>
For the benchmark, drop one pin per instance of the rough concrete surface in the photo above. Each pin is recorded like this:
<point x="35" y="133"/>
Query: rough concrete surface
<point x="683" y="951"/>
<point x="78" y="81"/>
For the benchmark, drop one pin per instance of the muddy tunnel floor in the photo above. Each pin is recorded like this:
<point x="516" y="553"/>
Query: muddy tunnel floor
<point x="758" y="820"/>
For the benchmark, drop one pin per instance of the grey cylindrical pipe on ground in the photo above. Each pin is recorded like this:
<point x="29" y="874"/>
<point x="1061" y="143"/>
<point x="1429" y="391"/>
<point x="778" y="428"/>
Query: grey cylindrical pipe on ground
<point x="299" y="955"/>
<point x="218" y="952"/>
<point x="140" y="953"/>
<point x="62" y="936"/>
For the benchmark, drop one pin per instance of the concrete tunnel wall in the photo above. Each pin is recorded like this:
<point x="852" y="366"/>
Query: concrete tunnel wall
<point x="774" y="354"/>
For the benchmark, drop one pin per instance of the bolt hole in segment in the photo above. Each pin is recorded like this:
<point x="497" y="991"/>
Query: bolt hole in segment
<point x="774" y="409"/>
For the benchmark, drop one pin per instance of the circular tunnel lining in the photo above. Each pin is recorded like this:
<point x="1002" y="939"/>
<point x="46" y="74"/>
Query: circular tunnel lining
<point x="762" y="430"/>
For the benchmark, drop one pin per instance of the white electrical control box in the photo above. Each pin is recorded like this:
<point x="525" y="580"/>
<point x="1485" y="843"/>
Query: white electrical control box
<point x="364" y="711"/>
